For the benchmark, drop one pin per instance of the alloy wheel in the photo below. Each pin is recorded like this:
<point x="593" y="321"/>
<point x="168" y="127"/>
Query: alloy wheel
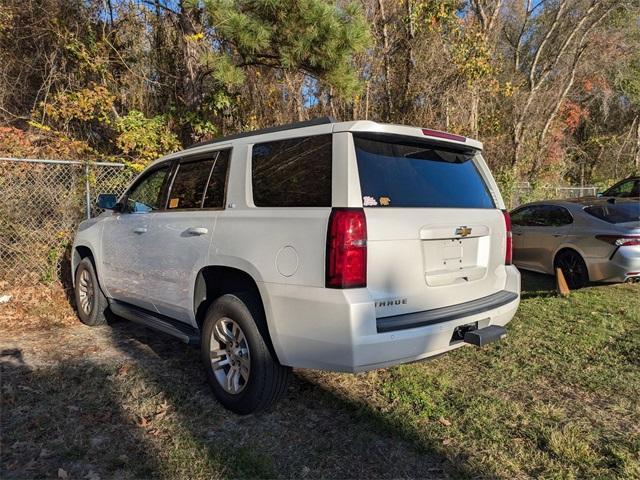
<point x="572" y="268"/>
<point x="230" y="356"/>
<point x="85" y="292"/>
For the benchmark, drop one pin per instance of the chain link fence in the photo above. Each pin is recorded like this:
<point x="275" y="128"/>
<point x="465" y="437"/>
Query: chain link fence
<point x="43" y="201"/>
<point x="41" y="205"/>
<point x="525" y="193"/>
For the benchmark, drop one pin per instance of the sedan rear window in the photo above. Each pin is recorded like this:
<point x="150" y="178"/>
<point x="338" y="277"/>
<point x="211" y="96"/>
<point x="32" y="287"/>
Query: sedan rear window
<point x="403" y="173"/>
<point x="616" y="212"/>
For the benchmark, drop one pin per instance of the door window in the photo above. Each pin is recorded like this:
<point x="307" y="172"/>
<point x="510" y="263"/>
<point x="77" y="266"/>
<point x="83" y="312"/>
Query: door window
<point x="188" y="184"/>
<point x="200" y="183"/>
<point x="555" y="216"/>
<point x="542" y="216"/>
<point x="146" y="194"/>
<point x="629" y="188"/>
<point x="522" y="217"/>
<point x="215" y="194"/>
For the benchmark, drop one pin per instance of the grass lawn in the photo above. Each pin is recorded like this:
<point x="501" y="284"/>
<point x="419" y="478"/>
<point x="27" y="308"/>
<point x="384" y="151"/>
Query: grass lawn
<point x="558" y="398"/>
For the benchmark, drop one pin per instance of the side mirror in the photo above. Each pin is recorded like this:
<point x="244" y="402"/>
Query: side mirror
<point x="107" y="201"/>
<point x="599" y="194"/>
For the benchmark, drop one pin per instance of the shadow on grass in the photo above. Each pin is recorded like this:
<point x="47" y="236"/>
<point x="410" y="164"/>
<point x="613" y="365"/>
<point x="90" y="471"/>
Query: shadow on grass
<point x="65" y="276"/>
<point x="537" y="285"/>
<point x="311" y="432"/>
<point x="106" y="418"/>
<point x="151" y="413"/>
<point x="66" y="416"/>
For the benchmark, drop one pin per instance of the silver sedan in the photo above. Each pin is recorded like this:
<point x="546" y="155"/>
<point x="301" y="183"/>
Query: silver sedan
<point x="590" y="240"/>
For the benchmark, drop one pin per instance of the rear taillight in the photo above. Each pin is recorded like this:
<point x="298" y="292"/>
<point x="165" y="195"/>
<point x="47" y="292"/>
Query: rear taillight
<point x="508" y="254"/>
<point x="445" y="135"/>
<point x="620" y="240"/>
<point x="346" y="249"/>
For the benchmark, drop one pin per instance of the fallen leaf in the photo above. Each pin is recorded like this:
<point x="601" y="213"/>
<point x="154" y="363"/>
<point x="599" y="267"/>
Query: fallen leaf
<point x="62" y="473"/>
<point x="444" y="421"/>
<point x="162" y="410"/>
<point x="447" y="441"/>
<point x="142" y="422"/>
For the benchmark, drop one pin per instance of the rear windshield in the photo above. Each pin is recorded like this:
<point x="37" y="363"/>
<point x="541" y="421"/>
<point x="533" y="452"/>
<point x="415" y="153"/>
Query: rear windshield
<point x="399" y="173"/>
<point x="616" y="212"/>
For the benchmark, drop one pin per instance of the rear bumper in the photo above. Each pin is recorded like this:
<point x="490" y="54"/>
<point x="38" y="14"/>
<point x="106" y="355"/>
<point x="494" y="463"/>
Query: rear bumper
<point x="616" y="268"/>
<point x="445" y="314"/>
<point x="337" y="330"/>
<point x="405" y="346"/>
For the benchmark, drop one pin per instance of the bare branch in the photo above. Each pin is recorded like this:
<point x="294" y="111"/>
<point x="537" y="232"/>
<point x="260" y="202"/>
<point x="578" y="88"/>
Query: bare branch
<point x="516" y="59"/>
<point x="494" y="15"/>
<point x="543" y="43"/>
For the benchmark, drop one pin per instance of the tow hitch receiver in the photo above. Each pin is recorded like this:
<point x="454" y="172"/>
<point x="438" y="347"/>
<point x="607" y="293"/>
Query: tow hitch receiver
<point x="486" y="335"/>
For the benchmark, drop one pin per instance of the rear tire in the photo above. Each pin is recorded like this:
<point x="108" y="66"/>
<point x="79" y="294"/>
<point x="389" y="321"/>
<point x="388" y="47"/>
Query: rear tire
<point x="573" y="268"/>
<point x="91" y="303"/>
<point x="243" y="372"/>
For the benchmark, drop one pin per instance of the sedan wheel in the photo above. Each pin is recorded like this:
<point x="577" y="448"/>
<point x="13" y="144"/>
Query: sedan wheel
<point x="573" y="268"/>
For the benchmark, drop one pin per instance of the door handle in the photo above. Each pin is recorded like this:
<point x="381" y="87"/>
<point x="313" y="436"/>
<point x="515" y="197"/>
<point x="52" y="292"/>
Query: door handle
<point x="558" y="235"/>
<point x="197" y="231"/>
<point x="140" y="230"/>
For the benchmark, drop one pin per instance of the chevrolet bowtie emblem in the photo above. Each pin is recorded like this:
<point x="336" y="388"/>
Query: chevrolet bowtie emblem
<point x="463" y="231"/>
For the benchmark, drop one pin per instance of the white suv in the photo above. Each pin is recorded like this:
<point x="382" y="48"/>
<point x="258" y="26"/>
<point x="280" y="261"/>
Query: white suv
<point x="338" y="246"/>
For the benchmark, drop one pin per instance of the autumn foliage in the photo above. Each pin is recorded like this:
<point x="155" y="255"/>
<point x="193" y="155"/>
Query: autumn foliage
<point x="551" y="88"/>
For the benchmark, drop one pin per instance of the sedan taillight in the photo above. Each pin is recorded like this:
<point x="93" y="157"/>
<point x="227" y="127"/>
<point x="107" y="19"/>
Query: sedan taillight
<point x="620" y="240"/>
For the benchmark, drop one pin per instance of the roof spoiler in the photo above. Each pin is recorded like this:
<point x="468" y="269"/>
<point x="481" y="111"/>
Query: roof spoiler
<point x="278" y="128"/>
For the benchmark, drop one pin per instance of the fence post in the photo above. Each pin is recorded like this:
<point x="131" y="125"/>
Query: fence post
<point x="87" y="190"/>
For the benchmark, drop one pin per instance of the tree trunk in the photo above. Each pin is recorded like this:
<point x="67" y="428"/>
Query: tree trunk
<point x="475" y="102"/>
<point x="388" y="110"/>
<point x="516" y="143"/>
<point x="410" y="61"/>
<point x="191" y="94"/>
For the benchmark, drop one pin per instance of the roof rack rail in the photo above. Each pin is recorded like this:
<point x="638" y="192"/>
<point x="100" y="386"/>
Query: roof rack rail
<point x="278" y="128"/>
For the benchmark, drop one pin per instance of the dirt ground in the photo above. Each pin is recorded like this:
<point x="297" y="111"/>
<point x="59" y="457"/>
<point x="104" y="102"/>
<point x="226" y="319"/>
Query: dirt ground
<point x="122" y="401"/>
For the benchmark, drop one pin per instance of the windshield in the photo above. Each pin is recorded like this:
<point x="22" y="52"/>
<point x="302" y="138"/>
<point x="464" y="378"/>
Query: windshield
<point x="406" y="173"/>
<point x="616" y="212"/>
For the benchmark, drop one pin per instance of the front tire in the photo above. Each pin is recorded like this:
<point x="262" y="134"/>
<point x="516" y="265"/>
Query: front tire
<point x="91" y="303"/>
<point x="243" y="373"/>
<point x="573" y="268"/>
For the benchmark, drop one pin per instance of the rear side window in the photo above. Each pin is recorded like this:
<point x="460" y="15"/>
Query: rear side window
<point x="403" y="173"/>
<point x="616" y="212"/>
<point x="292" y="173"/>
<point x="200" y="183"/>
